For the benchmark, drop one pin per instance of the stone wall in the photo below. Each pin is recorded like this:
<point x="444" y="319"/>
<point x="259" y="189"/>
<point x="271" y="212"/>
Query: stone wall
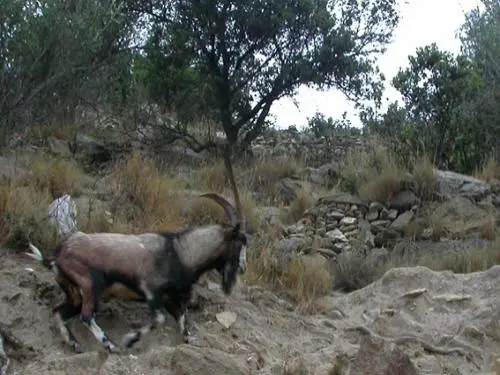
<point x="286" y="144"/>
<point x="340" y="221"/>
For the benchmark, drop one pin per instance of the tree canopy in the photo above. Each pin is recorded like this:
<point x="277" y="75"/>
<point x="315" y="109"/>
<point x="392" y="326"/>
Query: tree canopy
<point x="54" y="54"/>
<point x="451" y="102"/>
<point x="235" y="59"/>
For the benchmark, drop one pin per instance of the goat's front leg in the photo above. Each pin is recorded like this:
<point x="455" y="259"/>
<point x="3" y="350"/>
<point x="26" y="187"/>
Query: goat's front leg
<point x="176" y="306"/>
<point x="157" y="319"/>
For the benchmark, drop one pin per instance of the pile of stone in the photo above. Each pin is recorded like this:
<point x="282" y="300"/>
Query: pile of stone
<point x="338" y="221"/>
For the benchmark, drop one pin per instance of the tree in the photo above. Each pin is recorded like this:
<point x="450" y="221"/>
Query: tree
<point x="480" y="37"/>
<point x="241" y="57"/>
<point x="439" y="91"/>
<point x="55" y="55"/>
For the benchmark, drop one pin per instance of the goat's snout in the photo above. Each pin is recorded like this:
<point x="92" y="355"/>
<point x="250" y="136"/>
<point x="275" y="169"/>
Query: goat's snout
<point x="242" y="264"/>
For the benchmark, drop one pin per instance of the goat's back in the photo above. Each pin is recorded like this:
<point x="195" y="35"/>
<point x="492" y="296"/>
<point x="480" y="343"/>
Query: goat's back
<point x="127" y="254"/>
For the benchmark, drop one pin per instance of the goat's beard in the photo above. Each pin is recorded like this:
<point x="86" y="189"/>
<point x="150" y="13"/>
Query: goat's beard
<point x="229" y="277"/>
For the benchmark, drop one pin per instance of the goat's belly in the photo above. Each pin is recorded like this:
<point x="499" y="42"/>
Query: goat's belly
<point x="120" y="292"/>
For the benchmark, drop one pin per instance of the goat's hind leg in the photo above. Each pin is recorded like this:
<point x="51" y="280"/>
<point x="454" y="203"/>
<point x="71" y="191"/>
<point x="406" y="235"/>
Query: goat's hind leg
<point x="67" y="310"/>
<point x="62" y="314"/>
<point x="90" y="305"/>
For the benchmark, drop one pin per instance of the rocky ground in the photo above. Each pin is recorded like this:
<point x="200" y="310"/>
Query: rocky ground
<point x="412" y="321"/>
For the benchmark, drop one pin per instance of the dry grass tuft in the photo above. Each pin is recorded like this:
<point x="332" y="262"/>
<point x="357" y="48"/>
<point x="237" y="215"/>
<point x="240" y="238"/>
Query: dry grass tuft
<point x="302" y="278"/>
<point x="265" y="263"/>
<point x="152" y="201"/>
<point x="98" y="219"/>
<point x="425" y="176"/>
<point x="383" y="187"/>
<point x="271" y="171"/>
<point x="354" y="271"/>
<point x="203" y="210"/>
<point x="463" y="261"/>
<point x="488" y="230"/>
<point x="263" y="178"/>
<point x="374" y="173"/>
<point x="213" y="177"/>
<point x="23" y="213"/>
<point x="24" y="201"/>
<point x="491" y="170"/>
<point x="437" y="226"/>
<point x="144" y="197"/>
<point x="340" y="364"/>
<point x="250" y="211"/>
<point x="307" y="278"/>
<point x="303" y="202"/>
<point x="415" y="229"/>
<point x="58" y="176"/>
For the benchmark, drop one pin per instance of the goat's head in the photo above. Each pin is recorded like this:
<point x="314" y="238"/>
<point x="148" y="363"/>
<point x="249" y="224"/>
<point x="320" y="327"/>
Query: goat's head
<point x="234" y="256"/>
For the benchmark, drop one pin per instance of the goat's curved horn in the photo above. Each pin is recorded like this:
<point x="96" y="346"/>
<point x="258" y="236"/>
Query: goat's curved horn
<point x="243" y="223"/>
<point x="229" y="168"/>
<point x="228" y="207"/>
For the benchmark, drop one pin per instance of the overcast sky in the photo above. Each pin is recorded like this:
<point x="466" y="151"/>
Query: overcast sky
<point x="422" y="22"/>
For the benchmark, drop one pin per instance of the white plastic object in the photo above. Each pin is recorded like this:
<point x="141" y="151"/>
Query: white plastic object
<point x="62" y="213"/>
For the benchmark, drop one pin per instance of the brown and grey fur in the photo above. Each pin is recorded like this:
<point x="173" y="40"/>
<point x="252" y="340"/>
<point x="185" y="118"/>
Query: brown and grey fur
<point x="100" y="266"/>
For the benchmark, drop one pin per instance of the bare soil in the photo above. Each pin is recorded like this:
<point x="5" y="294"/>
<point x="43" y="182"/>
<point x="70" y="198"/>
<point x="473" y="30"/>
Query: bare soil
<point x="446" y="323"/>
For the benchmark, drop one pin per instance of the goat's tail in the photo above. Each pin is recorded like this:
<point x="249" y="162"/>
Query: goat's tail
<point x="38" y="256"/>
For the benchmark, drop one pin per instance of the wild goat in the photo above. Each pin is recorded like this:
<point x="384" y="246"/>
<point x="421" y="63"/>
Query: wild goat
<point x="160" y="268"/>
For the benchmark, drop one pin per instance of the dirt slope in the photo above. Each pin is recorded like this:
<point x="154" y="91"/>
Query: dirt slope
<point x="450" y="327"/>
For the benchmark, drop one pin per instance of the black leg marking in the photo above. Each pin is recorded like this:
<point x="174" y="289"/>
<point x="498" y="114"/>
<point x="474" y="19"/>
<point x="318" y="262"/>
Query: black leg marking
<point x="62" y="314"/>
<point x="97" y="287"/>
<point x="177" y="307"/>
<point x="99" y="283"/>
<point x="99" y="334"/>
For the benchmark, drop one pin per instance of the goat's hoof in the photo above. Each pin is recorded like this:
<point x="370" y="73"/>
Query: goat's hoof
<point x="77" y="348"/>
<point x="130" y="339"/>
<point x="186" y="337"/>
<point x="193" y="341"/>
<point x="113" y="349"/>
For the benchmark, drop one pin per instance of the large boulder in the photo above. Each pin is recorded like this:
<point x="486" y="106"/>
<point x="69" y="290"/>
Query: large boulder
<point x="290" y="189"/>
<point x="460" y="216"/>
<point x="451" y="184"/>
